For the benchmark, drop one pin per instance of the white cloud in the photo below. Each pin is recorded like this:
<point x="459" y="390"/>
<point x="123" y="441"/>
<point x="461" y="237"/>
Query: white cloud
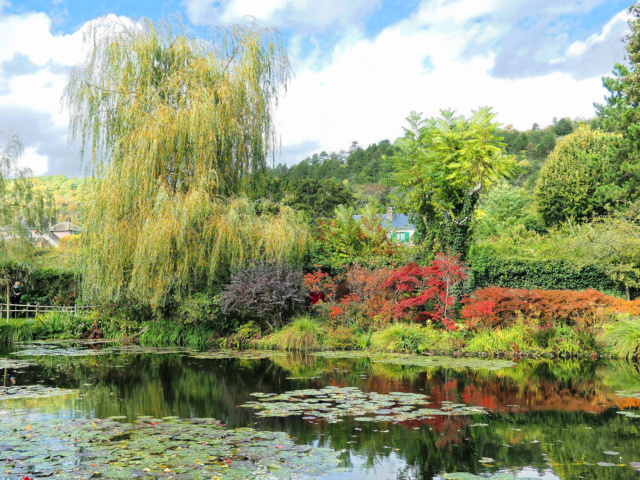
<point x="371" y="85"/>
<point x="31" y="88"/>
<point x="303" y="15"/>
<point x="31" y="159"/>
<point x="613" y="30"/>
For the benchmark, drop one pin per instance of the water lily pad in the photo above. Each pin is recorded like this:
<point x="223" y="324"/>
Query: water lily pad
<point x="237" y="354"/>
<point x="184" y="449"/>
<point x="427" y="361"/>
<point x="15" y="364"/>
<point x="76" y="349"/>
<point x="331" y="402"/>
<point x="32" y="391"/>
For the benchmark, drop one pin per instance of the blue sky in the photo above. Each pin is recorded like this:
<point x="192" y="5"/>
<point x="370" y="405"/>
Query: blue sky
<point x="360" y="66"/>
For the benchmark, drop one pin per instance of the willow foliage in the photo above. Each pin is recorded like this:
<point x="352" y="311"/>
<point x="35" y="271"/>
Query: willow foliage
<point x="172" y="123"/>
<point x="20" y="206"/>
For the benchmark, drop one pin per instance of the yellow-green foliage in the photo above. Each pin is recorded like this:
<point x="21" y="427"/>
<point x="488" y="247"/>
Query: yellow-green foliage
<point x="16" y="331"/>
<point x="303" y="333"/>
<point x="515" y="338"/>
<point x="409" y="338"/>
<point x="623" y="336"/>
<point x="173" y="122"/>
<point x="573" y="181"/>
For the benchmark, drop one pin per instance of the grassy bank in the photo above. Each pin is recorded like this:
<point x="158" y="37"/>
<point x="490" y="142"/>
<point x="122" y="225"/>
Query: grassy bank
<point x="619" y="337"/>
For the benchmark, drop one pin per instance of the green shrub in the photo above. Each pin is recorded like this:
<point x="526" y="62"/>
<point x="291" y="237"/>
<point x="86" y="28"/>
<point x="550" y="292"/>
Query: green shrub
<point x="245" y="337"/>
<point x="623" y="336"/>
<point x="50" y="324"/>
<point x="303" y="333"/>
<point x="168" y="333"/>
<point x="408" y="338"/>
<point x="572" y="340"/>
<point x="16" y="331"/>
<point x="201" y="308"/>
<point x="344" y="338"/>
<point x="507" y="340"/>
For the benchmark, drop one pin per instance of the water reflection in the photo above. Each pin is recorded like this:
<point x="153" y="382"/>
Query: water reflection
<point x="549" y="419"/>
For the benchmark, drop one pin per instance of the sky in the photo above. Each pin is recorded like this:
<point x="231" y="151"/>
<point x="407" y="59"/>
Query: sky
<point x="360" y="66"/>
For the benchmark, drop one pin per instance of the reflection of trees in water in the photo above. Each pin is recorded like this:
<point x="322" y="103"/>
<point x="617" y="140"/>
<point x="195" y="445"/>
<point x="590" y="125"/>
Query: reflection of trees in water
<point x="552" y="398"/>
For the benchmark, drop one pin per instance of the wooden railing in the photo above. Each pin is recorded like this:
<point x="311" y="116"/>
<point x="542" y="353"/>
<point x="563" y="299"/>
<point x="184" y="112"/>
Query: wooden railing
<point x="12" y="309"/>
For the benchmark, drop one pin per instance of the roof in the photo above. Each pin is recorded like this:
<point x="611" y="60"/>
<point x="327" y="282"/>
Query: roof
<point x="399" y="221"/>
<point x="65" y="227"/>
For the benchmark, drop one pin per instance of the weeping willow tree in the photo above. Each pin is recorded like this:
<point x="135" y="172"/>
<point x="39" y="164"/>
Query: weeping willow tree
<point x="21" y="207"/>
<point x="174" y="125"/>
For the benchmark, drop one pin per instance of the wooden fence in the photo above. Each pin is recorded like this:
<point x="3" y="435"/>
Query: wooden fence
<point x="12" y="308"/>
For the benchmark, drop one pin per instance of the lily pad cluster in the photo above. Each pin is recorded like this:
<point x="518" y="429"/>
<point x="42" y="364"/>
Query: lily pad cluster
<point x="621" y="393"/>
<point x="154" y="448"/>
<point x="31" y="391"/>
<point x="237" y="354"/>
<point x="14" y="364"/>
<point x="331" y="403"/>
<point x="62" y="350"/>
<point x="427" y="361"/>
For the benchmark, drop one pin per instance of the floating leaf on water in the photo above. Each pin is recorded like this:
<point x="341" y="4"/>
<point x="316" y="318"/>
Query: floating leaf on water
<point x="32" y="391"/>
<point x="199" y="448"/>
<point x="15" y="364"/>
<point x="237" y="354"/>
<point x="331" y="402"/>
<point x="423" y="360"/>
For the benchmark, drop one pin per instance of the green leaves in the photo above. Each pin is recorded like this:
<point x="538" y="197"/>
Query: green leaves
<point x="442" y="165"/>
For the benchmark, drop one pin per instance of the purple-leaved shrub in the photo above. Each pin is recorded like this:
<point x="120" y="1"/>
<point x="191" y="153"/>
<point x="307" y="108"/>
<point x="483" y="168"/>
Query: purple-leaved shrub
<point x="266" y="292"/>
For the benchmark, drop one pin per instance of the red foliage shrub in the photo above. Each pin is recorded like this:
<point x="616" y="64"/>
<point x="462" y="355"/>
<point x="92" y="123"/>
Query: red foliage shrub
<point x="320" y="281"/>
<point x="428" y="293"/>
<point x="411" y="292"/>
<point x="495" y="306"/>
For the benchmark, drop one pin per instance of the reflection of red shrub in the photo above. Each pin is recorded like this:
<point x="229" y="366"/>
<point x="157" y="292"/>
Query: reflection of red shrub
<point x="493" y="306"/>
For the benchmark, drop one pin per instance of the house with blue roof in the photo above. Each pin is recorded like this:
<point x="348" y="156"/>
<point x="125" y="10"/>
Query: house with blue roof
<point x="402" y="230"/>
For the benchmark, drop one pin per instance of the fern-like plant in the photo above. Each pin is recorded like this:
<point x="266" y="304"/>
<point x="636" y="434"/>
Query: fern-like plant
<point x="623" y="336"/>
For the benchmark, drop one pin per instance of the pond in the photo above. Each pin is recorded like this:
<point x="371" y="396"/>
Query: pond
<point x="105" y="411"/>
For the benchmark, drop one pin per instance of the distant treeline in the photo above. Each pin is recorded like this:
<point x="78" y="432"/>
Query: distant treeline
<point x="367" y="166"/>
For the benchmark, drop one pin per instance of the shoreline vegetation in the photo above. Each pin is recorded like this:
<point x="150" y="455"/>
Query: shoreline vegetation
<point x="306" y="334"/>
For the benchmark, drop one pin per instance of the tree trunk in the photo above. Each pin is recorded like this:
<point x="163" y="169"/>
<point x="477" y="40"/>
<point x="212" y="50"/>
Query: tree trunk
<point x="626" y="287"/>
<point x="8" y="300"/>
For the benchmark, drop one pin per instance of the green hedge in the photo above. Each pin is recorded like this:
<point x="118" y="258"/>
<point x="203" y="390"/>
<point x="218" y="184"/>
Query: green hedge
<point x="46" y="286"/>
<point x="543" y="274"/>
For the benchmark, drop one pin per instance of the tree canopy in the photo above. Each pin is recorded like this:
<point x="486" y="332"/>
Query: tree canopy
<point x="20" y="207"/>
<point x="172" y="122"/>
<point x="442" y="165"/>
<point x="620" y="113"/>
<point x="574" y="183"/>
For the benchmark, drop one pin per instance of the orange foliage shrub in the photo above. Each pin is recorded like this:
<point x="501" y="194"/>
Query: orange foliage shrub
<point x="497" y="306"/>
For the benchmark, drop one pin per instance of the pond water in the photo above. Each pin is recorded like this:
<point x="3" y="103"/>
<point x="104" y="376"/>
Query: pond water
<point x="349" y="416"/>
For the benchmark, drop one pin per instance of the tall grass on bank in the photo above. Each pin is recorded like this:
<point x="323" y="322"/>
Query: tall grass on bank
<point x="407" y="338"/>
<point x="623" y="336"/>
<point x="166" y="333"/>
<point x="304" y="333"/>
<point x="14" y="332"/>
<point x="505" y="340"/>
